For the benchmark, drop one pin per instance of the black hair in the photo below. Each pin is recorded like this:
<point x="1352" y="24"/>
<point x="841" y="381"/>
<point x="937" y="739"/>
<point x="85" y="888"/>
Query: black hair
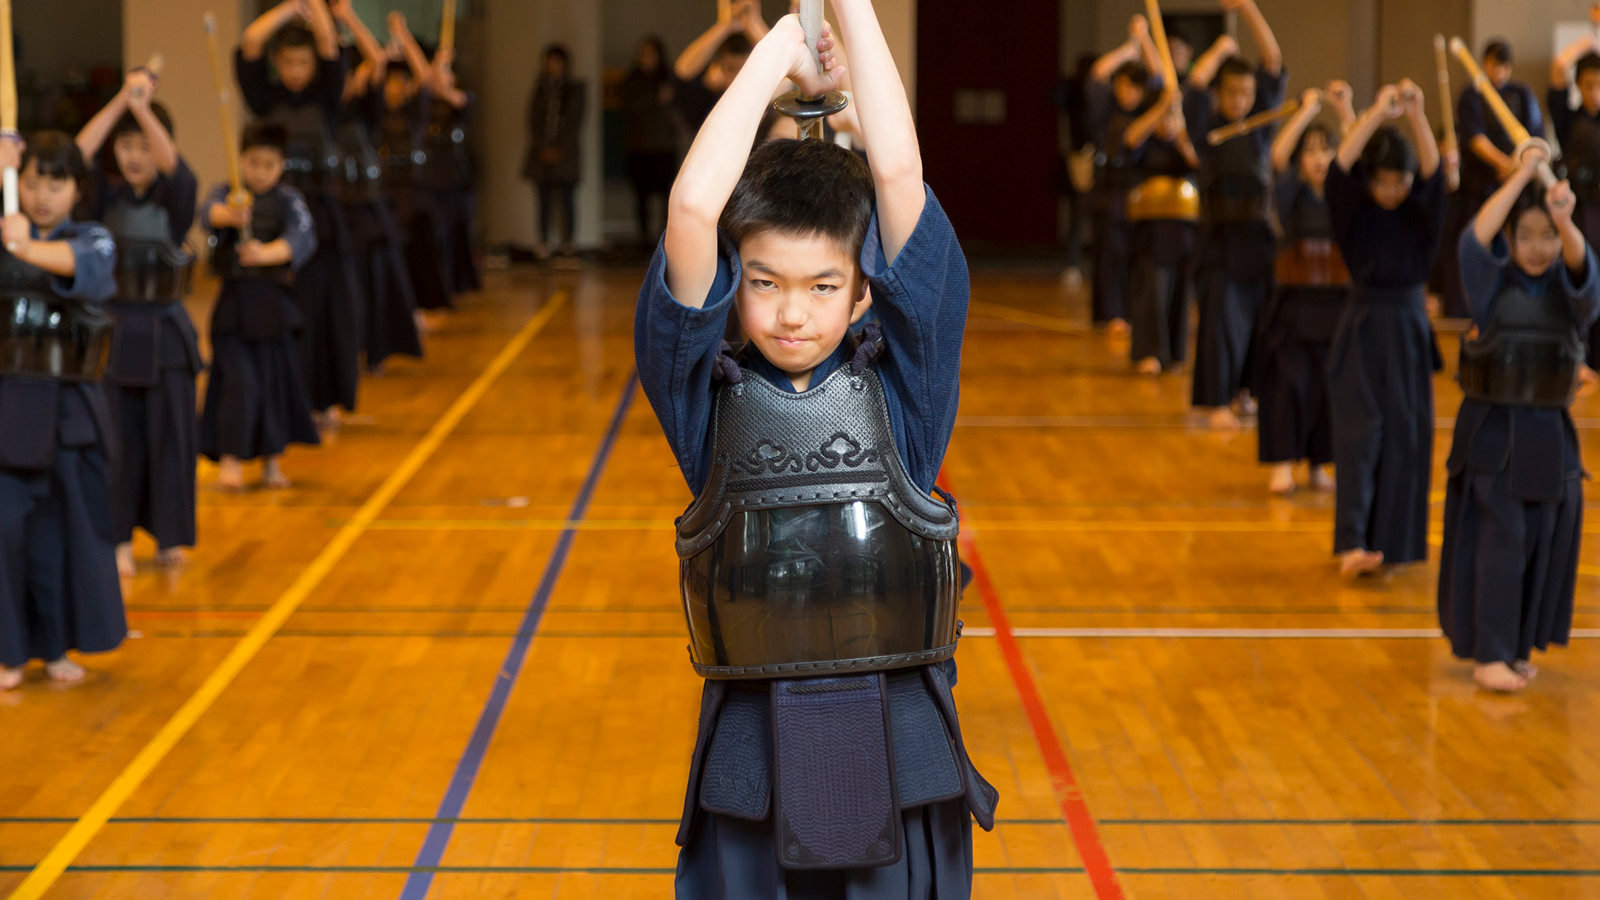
<point x="56" y="155"/>
<point x="1498" y="50"/>
<point x="559" y="51"/>
<point x="1234" y="66"/>
<point x="1589" y="62"/>
<point x="802" y="188"/>
<point x="1133" y="71"/>
<point x="294" y="36"/>
<point x="660" y="46"/>
<point x="266" y="135"/>
<point x="128" y="124"/>
<point x="1532" y="197"/>
<point x="735" y="45"/>
<point x="1305" y="137"/>
<point x="1388" y="149"/>
<point x="1176" y="34"/>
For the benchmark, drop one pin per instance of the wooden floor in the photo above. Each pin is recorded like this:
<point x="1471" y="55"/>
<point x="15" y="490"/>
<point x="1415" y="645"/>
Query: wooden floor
<point x="1174" y="693"/>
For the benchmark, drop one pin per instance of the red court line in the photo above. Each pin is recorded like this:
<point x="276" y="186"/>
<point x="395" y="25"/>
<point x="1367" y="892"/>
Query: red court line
<point x="1096" y="864"/>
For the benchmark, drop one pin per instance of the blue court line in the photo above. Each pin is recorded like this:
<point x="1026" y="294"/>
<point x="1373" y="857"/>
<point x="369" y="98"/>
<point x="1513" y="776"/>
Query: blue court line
<point x="455" y="798"/>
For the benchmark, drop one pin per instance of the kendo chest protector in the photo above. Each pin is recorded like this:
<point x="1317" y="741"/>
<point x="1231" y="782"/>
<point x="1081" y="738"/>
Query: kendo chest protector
<point x="809" y="551"/>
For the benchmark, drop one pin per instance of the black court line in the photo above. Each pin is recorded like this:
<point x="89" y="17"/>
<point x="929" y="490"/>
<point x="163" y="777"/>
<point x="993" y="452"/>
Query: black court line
<point x="1250" y="872"/>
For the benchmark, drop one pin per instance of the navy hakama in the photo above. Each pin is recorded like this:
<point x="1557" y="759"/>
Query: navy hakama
<point x="150" y="392"/>
<point x="256" y="403"/>
<point x="1291" y="374"/>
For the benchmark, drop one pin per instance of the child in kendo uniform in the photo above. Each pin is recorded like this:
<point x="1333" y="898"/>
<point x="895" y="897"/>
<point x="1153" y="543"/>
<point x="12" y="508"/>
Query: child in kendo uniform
<point x="418" y="209"/>
<point x="387" y="303"/>
<point x="1385" y="196"/>
<point x="256" y="404"/>
<point x="1513" y="516"/>
<point x="58" y="569"/>
<point x="1312" y="285"/>
<point x="148" y="204"/>
<point x="829" y="761"/>
<point x="1164" y="207"/>
<point x="304" y="99"/>
<point x="1234" y="271"/>
<point x="1119" y="91"/>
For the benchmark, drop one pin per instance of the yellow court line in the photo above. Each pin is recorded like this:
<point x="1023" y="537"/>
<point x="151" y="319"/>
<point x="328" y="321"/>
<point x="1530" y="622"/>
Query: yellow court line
<point x="49" y="869"/>
<point x="1024" y="317"/>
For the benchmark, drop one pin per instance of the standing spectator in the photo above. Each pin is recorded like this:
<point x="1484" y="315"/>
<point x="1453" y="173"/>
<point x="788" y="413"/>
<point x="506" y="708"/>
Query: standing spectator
<point x="651" y="133"/>
<point x="555" y="117"/>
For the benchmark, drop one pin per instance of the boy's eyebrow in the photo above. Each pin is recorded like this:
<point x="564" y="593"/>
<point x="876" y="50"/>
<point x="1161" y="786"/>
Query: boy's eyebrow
<point x="758" y="264"/>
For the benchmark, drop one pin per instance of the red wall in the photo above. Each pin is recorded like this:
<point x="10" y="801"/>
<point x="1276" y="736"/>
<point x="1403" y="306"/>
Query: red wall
<point x="994" y="179"/>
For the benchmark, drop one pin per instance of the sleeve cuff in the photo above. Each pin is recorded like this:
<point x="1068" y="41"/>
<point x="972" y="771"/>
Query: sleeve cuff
<point x="875" y="267"/>
<point x="723" y="287"/>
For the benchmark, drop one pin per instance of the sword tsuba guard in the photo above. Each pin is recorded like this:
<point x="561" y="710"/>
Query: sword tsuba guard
<point x="806" y="110"/>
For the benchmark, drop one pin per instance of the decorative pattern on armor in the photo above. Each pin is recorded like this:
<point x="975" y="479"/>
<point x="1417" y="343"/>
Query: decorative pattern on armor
<point x="772" y="458"/>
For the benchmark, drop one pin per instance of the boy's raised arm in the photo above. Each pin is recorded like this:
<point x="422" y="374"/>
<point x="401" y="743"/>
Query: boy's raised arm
<point x="722" y="147"/>
<point x="886" y="123"/>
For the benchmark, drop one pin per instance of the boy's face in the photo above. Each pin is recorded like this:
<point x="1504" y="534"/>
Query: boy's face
<point x="297" y="66"/>
<point x="261" y="167"/>
<point x="1390" y="187"/>
<point x="396" y="89"/>
<point x="1236" y="96"/>
<point x="1129" y="93"/>
<point x="1182" y="53"/>
<point x="134" y="159"/>
<point x="797" y="297"/>
<point x="45" y="200"/>
<point x="1589" y="90"/>
<point x="1316" y="155"/>
<point x="1499" y="72"/>
<point x="1535" y="243"/>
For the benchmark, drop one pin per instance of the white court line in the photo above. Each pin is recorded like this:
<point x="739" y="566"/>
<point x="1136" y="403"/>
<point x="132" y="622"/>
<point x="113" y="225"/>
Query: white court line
<point x="1253" y="633"/>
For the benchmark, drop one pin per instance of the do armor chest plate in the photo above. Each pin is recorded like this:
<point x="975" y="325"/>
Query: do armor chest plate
<point x="150" y="267"/>
<point x="809" y="551"/>
<point x="1529" y="354"/>
<point x="45" y="336"/>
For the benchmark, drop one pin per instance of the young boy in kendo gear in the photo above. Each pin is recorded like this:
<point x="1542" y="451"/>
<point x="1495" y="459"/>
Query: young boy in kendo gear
<point x="148" y="201"/>
<point x="819" y="573"/>
<point x="255" y="403"/>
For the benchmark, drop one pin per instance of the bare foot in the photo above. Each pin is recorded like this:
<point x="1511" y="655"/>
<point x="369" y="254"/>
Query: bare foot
<point x="1281" y="481"/>
<point x="329" y="419"/>
<point x="1526" y="669"/>
<point x="1223" y="419"/>
<point x="171" y="557"/>
<point x="10" y="678"/>
<point x="230" y="474"/>
<point x="65" y="671"/>
<point x="1321" y="478"/>
<point x="1588" y="380"/>
<point x="272" y="474"/>
<point x="1072" y="278"/>
<point x="1247" y="405"/>
<point x="1118" y="327"/>
<point x="125" y="566"/>
<point x="1149" y="366"/>
<point x="1359" y="562"/>
<point x="1498" y="677"/>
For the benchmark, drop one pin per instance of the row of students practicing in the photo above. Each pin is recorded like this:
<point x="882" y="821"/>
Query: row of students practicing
<point x="1319" y="271"/>
<point x="352" y="214"/>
